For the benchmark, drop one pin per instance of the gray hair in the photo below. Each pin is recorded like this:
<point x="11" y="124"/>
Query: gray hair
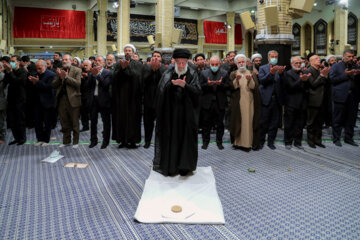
<point x="88" y="61"/>
<point x="293" y="58"/>
<point x="102" y="58"/>
<point x="68" y="55"/>
<point x="215" y="57"/>
<point x="240" y="56"/>
<point x="273" y="51"/>
<point x="42" y="62"/>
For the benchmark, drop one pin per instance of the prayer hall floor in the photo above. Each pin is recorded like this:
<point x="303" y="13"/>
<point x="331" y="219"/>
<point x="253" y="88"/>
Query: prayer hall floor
<point x="293" y="194"/>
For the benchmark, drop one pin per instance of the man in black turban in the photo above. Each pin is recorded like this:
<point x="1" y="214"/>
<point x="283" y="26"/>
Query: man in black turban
<point x="176" y="143"/>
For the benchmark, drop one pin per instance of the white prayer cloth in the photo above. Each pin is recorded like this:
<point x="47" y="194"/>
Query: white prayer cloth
<point x="54" y="157"/>
<point x="195" y="194"/>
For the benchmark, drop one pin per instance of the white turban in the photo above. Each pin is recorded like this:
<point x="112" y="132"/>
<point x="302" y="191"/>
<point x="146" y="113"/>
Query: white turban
<point x="330" y="56"/>
<point x="256" y="55"/>
<point x="239" y="56"/>
<point x="78" y="59"/>
<point x="130" y="46"/>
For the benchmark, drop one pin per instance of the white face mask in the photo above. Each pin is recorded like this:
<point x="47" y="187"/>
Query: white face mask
<point x="302" y="65"/>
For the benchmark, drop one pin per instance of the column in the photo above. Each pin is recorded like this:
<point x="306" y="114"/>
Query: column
<point x="277" y="37"/>
<point x="123" y="27"/>
<point x="164" y="20"/>
<point x="230" y="19"/>
<point x="201" y="36"/>
<point x="340" y="29"/>
<point x="89" y="33"/>
<point x="102" y="28"/>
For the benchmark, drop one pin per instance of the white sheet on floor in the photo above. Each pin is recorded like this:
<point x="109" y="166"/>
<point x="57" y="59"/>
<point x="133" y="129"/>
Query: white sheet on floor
<point x="54" y="157"/>
<point x="196" y="194"/>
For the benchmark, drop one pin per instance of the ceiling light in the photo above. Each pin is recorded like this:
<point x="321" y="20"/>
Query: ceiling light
<point x="343" y="1"/>
<point x="115" y="5"/>
<point x="253" y="11"/>
<point x="315" y="4"/>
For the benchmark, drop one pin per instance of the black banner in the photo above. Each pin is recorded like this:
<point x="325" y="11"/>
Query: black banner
<point x="141" y="26"/>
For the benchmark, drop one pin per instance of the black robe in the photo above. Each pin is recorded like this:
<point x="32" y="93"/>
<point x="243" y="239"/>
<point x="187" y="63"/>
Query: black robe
<point x="126" y="103"/>
<point x="176" y="143"/>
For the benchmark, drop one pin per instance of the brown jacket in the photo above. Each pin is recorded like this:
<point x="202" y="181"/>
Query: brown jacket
<point x="73" y="83"/>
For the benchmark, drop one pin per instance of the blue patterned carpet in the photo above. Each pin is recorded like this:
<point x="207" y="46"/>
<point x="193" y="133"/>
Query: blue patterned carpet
<point x="311" y="194"/>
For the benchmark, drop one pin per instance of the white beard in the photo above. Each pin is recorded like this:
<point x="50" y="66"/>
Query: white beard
<point x="295" y="68"/>
<point x="242" y="68"/>
<point x="179" y="73"/>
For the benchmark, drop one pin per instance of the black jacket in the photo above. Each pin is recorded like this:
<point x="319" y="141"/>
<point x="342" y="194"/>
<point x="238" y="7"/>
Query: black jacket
<point x="215" y="92"/>
<point x="296" y="91"/>
<point x="16" y="80"/>
<point x="104" y="80"/>
<point x="45" y="90"/>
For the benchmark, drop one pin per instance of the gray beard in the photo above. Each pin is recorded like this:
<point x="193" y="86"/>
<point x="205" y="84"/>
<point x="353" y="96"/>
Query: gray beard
<point x="179" y="73"/>
<point x="295" y="68"/>
<point x="67" y="65"/>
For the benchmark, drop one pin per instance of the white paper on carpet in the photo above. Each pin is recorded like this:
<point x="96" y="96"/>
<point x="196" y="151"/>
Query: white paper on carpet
<point x="196" y="194"/>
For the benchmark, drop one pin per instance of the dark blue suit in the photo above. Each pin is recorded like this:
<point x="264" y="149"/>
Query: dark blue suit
<point x="272" y="99"/>
<point x="344" y="101"/>
<point x="44" y="108"/>
<point x="100" y="103"/>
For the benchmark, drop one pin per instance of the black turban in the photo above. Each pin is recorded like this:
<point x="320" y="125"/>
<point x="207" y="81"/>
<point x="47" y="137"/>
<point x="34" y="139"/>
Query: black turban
<point x="181" y="53"/>
<point x="199" y="55"/>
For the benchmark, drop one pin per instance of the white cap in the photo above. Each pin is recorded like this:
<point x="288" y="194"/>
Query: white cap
<point x="131" y="46"/>
<point x="78" y="59"/>
<point x="330" y="56"/>
<point x="256" y="55"/>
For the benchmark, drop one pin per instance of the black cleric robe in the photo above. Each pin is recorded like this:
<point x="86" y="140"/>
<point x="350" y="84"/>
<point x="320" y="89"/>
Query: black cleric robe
<point x="126" y="103"/>
<point x="177" y="110"/>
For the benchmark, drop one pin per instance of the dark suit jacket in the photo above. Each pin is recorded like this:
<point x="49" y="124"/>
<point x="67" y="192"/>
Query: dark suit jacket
<point x="270" y="83"/>
<point x="341" y="83"/>
<point x="16" y="80"/>
<point x="150" y="82"/>
<point x="104" y="80"/>
<point x="317" y="86"/>
<point x="45" y="89"/>
<point x="215" y="92"/>
<point x="296" y="90"/>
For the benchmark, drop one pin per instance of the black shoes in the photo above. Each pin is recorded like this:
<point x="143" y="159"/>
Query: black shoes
<point x="132" y="146"/>
<point x="312" y="145"/>
<point x="104" y="145"/>
<point x="298" y="146"/>
<point x="220" y="146"/>
<point x="122" y="145"/>
<point x="205" y="145"/>
<point x="288" y="146"/>
<point x="147" y="145"/>
<point x="352" y="143"/>
<point x="320" y="145"/>
<point x="21" y="142"/>
<point x="92" y="144"/>
<point x="13" y="142"/>
<point x="337" y="143"/>
<point x="271" y="146"/>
